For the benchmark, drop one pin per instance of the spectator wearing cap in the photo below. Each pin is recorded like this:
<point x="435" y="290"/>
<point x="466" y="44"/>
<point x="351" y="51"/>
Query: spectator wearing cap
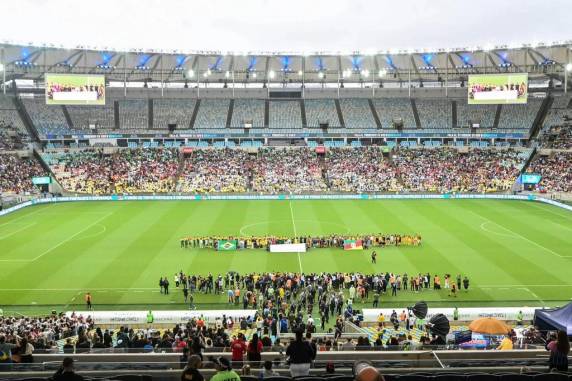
<point x="224" y="371"/>
<point x="67" y="372"/>
<point x="300" y="354"/>
<point x="191" y="371"/>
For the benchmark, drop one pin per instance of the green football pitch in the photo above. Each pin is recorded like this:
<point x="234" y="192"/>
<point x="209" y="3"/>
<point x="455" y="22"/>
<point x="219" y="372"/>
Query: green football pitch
<point x="516" y="253"/>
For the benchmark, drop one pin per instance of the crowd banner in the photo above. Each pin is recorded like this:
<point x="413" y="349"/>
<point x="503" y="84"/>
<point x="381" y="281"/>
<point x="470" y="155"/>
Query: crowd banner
<point x="465" y="314"/>
<point x="160" y="317"/>
<point x="447" y="196"/>
<point x="288" y="248"/>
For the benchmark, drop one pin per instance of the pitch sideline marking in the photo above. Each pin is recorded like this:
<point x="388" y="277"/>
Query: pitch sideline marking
<point x="516" y="235"/>
<point x="25" y="215"/>
<point x="295" y="234"/>
<point x="100" y="232"/>
<point x="17" y="230"/>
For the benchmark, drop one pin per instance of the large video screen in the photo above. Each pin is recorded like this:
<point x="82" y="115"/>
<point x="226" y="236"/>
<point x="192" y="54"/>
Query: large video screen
<point x="75" y="89"/>
<point x="498" y="88"/>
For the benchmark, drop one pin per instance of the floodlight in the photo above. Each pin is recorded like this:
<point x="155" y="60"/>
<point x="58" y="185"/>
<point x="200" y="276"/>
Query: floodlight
<point x="253" y="75"/>
<point x="300" y="73"/>
<point x="2" y="67"/>
<point x="271" y="74"/>
<point x="320" y="74"/>
<point x="227" y="74"/>
<point x="382" y="72"/>
<point x="190" y="73"/>
<point x="568" y="67"/>
<point x="365" y="73"/>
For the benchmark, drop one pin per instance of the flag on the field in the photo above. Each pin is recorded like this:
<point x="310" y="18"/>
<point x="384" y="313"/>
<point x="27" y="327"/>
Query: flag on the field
<point x="226" y="245"/>
<point x="353" y="244"/>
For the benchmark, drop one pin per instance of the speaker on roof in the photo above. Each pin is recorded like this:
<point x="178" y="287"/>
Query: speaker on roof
<point x="172" y="127"/>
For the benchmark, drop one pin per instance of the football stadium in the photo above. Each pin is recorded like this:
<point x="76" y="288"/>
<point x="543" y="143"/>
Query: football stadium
<point x="284" y="206"/>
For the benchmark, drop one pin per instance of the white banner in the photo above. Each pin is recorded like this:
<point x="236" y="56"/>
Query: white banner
<point x="465" y="314"/>
<point x="75" y="95"/>
<point x="496" y="95"/>
<point x="288" y="248"/>
<point x="161" y="317"/>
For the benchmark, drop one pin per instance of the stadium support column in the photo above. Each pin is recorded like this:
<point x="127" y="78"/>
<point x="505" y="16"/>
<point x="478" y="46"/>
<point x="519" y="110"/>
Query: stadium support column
<point x="409" y="82"/>
<point x="3" y="71"/>
<point x="125" y="75"/>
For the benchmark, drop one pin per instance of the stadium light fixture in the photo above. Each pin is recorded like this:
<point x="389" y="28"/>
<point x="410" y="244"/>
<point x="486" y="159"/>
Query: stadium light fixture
<point x="190" y="73"/>
<point x="321" y="74"/>
<point x="227" y="74"/>
<point x="365" y="73"/>
<point x="2" y="67"/>
<point x="253" y="75"/>
<point x="568" y="67"/>
<point x="382" y="72"/>
<point x="271" y="74"/>
<point x="300" y="73"/>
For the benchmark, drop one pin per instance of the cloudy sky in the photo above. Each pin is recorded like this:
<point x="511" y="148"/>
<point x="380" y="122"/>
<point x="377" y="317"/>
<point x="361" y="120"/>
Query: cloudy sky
<point x="292" y="25"/>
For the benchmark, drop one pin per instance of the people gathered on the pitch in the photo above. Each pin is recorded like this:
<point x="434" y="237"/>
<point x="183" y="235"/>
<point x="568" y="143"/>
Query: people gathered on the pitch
<point x="330" y="241"/>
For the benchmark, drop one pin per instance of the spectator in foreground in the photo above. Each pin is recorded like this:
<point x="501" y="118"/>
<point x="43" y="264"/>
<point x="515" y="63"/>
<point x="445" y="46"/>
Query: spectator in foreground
<point x="364" y="371"/>
<point x="559" y="350"/>
<point x="267" y="370"/>
<point x="300" y="355"/>
<point x="224" y="371"/>
<point x="67" y="372"/>
<point x="191" y="371"/>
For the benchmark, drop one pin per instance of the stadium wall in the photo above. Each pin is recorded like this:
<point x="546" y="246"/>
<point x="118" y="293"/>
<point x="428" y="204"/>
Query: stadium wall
<point x="529" y="197"/>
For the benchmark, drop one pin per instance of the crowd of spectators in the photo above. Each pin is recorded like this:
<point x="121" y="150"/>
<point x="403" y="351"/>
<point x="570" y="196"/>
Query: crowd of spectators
<point x="360" y="170"/>
<point x="11" y="138"/>
<point x="16" y="174"/>
<point x="556" y="172"/>
<point x="26" y="335"/>
<point x="124" y="171"/>
<point x="287" y="171"/>
<point x="558" y="137"/>
<point x="449" y="170"/>
<point x="215" y="170"/>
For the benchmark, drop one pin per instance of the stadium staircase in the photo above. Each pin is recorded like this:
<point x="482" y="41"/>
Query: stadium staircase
<point x="67" y="116"/>
<point x="497" y="116"/>
<point x="454" y="113"/>
<point x="266" y="113"/>
<point x="181" y="167"/>
<point x="23" y="113"/>
<point x="540" y="117"/>
<point x="324" y="169"/>
<point x="116" y="114"/>
<point x="398" y="173"/>
<point x="340" y="114"/>
<point x="415" y="113"/>
<point x="229" y="115"/>
<point x="195" y="112"/>
<point x="303" y="114"/>
<point x="150" y="114"/>
<point x="374" y="113"/>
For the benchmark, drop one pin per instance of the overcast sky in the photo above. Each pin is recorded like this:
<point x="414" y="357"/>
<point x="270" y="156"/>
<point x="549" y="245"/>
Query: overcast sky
<point x="292" y="25"/>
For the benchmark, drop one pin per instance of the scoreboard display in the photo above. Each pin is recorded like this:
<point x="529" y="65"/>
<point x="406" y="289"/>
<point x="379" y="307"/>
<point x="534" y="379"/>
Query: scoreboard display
<point x="74" y="89"/>
<point x="498" y="88"/>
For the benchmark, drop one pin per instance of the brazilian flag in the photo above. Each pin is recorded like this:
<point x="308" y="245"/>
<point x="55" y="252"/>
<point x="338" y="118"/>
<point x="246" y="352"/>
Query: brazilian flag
<point x="226" y="245"/>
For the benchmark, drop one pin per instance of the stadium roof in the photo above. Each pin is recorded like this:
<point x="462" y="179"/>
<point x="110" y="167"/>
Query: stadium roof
<point x="295" y="26"/>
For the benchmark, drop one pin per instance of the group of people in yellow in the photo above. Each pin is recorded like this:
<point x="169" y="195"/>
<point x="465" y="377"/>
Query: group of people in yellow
<point x="328" y="241"/>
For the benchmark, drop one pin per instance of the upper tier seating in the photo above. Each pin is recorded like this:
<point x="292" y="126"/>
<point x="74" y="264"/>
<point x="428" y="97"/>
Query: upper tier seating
<point x="178" y="111"/>
<point x="212" y="114"/>
<point x="435" y="113"/>
<point x="248" y="110"/>
<point x="467" y="114"/>
<point x="357" y="113"/>
<point x="285" y="114"/>
<point x="133" y="114"/>
<point x="390" y="109"/>
<point x="321" y="110"/>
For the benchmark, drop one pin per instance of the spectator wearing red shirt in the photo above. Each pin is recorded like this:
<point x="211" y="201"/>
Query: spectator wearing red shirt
<point x="238" y="347"/>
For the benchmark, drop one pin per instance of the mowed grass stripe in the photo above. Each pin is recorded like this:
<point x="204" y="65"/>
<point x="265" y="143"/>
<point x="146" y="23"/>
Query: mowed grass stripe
<point x="141" y="243"/>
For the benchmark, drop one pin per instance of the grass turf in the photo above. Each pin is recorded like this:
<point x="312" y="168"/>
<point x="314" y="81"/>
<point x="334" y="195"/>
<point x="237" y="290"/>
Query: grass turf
<point x="514" y="252"/>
